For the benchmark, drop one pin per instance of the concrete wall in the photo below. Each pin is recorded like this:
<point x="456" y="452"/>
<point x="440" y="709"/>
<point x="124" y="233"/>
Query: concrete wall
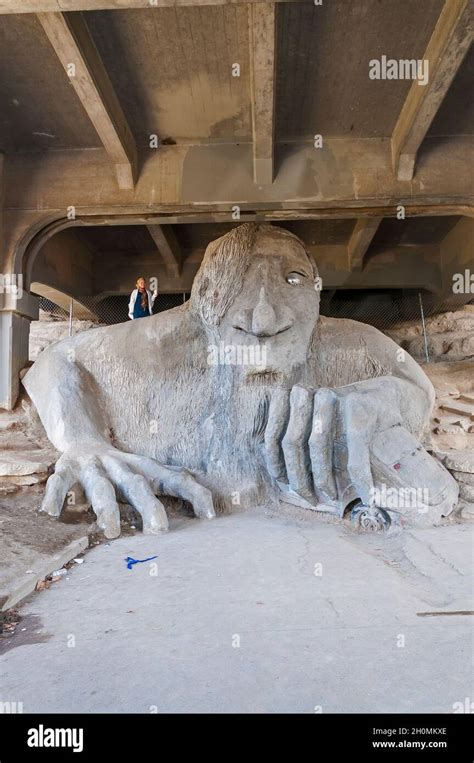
<point x="457" y="252"/>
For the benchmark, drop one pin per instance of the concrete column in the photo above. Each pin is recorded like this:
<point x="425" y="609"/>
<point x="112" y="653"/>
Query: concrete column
<point x="15" y="316"/>
<point x="17" y="309"/>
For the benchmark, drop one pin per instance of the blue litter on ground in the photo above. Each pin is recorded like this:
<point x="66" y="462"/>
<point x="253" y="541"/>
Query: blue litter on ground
<point x="130" y="561"/>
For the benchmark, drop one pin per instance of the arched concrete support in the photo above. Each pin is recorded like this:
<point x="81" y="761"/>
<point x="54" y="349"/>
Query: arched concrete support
<point x="22" y="236"/>
<point x="31" y="243"/>
<point x="20" y="230"/>
<point x="65" y="264"/>
<point x="37" y="234"/>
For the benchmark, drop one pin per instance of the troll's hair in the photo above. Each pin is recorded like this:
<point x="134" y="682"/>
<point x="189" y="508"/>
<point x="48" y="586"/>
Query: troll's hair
<point x="226" y="260"/>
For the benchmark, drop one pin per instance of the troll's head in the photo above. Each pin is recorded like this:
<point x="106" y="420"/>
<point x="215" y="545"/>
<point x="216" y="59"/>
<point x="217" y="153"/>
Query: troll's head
<point x="256" y="294"/>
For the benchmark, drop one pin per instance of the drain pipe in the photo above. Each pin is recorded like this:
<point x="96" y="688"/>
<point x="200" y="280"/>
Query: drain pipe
<point x="70" y="316"/>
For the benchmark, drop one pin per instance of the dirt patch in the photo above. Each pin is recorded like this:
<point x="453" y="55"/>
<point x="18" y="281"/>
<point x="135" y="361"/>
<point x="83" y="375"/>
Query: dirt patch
<point x="25" y="630"/>
<point x="20" y="522"/>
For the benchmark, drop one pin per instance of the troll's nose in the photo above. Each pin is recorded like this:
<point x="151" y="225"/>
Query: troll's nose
<point x="264" y="320"/>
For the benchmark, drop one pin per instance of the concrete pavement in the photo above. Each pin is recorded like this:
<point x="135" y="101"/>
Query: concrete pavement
<point x="252" y="612"/>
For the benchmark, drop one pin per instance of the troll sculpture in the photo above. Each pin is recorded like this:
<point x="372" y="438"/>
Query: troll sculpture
<point x="323" y="412"/>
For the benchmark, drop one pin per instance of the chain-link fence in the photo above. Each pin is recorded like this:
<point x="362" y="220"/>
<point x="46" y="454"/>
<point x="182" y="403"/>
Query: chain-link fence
<point x="387" y="310"/>
<point x="382" y="309"/>
<point x="105" y="310"/>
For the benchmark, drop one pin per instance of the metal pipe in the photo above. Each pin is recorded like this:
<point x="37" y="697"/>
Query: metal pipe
<point x="70" y="316"/>
<point x="424" y="327"/>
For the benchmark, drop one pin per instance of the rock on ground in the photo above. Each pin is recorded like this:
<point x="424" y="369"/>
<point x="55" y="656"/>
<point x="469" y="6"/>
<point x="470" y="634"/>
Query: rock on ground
<point x="46" y="331"/>
<point x="450" y="336"/>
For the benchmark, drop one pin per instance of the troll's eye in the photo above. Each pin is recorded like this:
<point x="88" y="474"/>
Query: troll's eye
<point x="295" y="279"/>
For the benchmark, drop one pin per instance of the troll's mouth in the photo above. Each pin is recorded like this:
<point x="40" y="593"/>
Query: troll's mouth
<point x="264" y="376"/>
<point x="262" y="335"/>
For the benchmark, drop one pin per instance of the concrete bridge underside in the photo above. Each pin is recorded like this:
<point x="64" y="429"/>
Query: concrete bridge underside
<point x="133" y="135"/>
